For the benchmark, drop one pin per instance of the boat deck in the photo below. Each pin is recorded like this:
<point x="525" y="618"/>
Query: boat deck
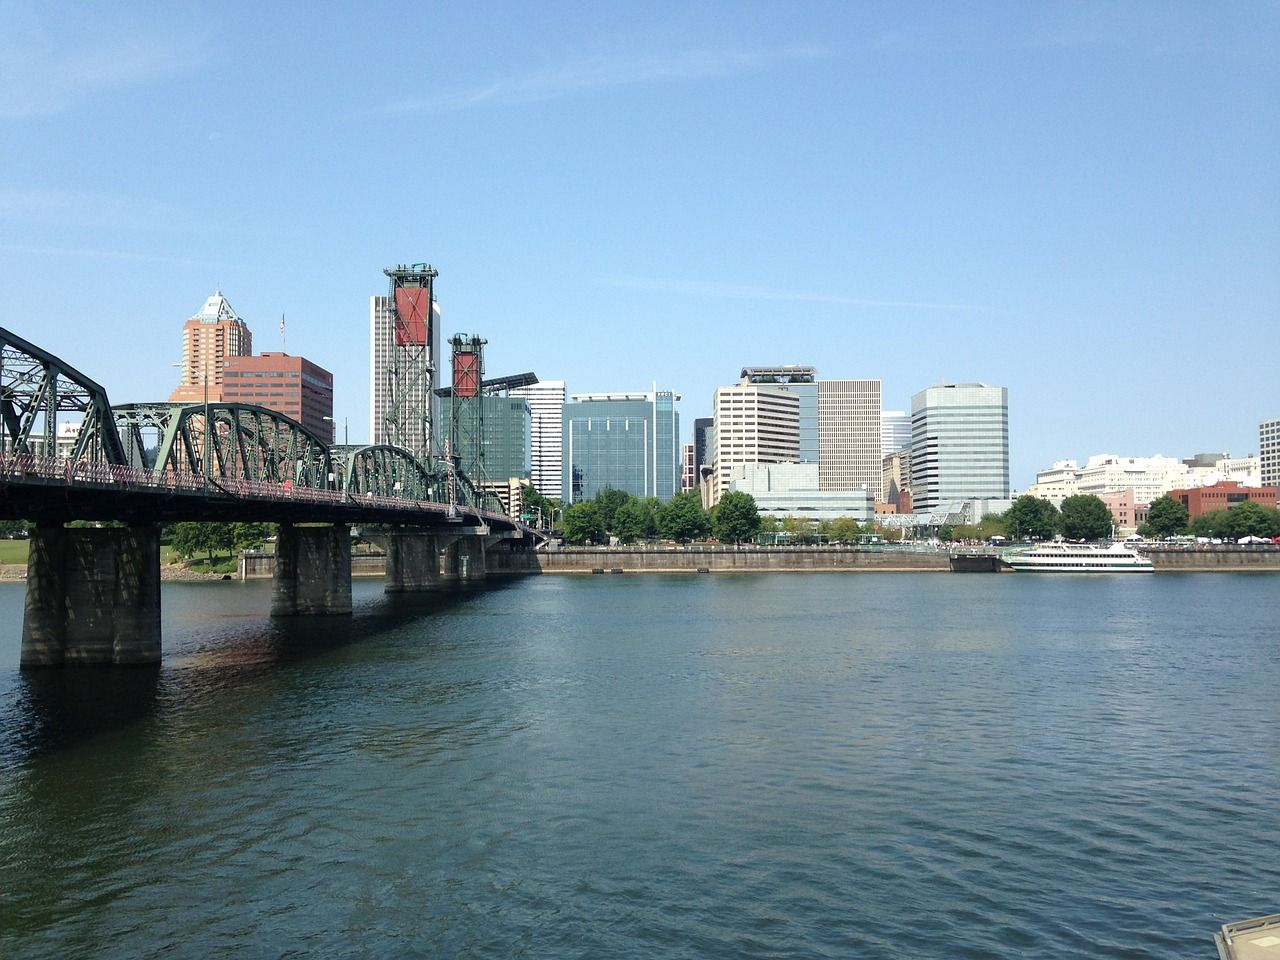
<point x="1256" y="939"/>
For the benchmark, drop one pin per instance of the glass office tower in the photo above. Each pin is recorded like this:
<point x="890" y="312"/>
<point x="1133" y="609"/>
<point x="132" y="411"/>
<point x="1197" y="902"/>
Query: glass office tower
<point x="624" y="441"/>
<point x="959" y="444"/>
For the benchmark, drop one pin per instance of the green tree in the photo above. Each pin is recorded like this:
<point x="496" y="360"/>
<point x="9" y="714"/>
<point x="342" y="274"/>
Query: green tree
<point x="633" y="521"/>
<point x="608" y="501"/>
<point x="13" y="528"/>
<point x="844" y="530"/>
<point x="1166" y="518"/>
<point x="250" y="536"/>
<point x="1085" y="517"/>
<point x="769" y="524"/>
<point x="1247" y="519"/>
<point x="582" y="524"/>
<point x="736" y="517"/>
<point x="190" y="538"/>
<point x="797" y="528"/>
<point x="1031" y="518"/>
<point x="682" y="518"/>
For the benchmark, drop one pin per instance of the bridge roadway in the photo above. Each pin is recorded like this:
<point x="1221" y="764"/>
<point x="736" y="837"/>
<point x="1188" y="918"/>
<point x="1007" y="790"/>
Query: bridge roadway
<point x="55" y="490"/>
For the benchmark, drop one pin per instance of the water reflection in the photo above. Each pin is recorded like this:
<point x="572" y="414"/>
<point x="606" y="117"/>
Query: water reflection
<point x="217" y="637"/>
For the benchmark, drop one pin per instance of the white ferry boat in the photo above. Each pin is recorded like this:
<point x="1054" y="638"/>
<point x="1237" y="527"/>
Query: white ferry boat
<point x="1079" y="558"/>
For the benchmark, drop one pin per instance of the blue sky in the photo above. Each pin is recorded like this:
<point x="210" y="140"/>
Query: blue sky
<point x="1079" y="201"/>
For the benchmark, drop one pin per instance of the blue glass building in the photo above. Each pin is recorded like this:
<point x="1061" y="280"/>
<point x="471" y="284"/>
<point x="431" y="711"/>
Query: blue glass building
<point x="625" y="441"/>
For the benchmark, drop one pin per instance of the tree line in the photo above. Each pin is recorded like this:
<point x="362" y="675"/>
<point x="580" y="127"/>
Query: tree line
<point x="1170" y="518"/>
<point x="1087" y="517"/>
<point x="616" y="514"/>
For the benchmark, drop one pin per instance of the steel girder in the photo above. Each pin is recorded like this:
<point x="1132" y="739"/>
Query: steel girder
<point x="386" y="470"/>
<point x="248" y="442"/>
<point x="35" y="387"/>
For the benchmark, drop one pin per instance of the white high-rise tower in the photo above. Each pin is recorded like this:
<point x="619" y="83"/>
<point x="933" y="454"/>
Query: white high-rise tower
<point x="546" y="408"/>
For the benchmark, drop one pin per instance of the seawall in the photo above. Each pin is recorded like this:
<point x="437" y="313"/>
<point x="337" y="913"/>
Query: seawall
<point x="1214" y="558"/>
<point x="711" y="559"/>
<point x="1226" y="558"/>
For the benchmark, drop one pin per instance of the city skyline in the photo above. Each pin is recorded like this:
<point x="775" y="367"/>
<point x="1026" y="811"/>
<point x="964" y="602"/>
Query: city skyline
<point x="1059" y="200"/>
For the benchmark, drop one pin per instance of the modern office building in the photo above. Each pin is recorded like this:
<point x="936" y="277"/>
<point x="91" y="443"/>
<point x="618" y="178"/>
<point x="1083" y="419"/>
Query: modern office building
<point x="839" y="423"/>
<point x="1269" y="452"/>
<point x="754" y="423"/>
<point x="895" y="431"/>
<point x="688" y="469"/>
<point x="792" y="490"/>
<point x="703" y="441"/>
<point x="507" y="440"/>
<point x="546" y="407"/>
<point x="215" y="334"/>
<point x="290" y="385"/>
<point x="382" y="360"/>
<point x="624" y="441"/>
<point x="849" y="442"/>
<point x="959" y="444"/>
<point x="802" y="381"/>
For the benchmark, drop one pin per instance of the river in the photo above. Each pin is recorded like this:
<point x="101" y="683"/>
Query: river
<point x="756" y="765"/>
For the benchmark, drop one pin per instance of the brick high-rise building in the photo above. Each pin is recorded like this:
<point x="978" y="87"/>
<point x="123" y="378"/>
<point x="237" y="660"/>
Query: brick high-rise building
<point x="209" y="338"/>
<point x="286" y="384"/>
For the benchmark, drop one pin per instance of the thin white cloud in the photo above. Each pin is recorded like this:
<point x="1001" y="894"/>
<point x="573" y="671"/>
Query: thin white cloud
<point x="733" y="291"/>
<point x="602" y="71"/>
<point x="98" y="254"/>
<point x="82" y="208"/>
<point x="46" y="72"/>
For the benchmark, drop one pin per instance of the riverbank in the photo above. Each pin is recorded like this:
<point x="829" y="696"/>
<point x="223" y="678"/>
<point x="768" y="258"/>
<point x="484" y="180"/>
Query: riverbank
<point x="168" y="572"/>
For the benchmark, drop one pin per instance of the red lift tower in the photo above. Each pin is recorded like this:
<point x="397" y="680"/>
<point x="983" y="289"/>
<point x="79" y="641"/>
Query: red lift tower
<point x="411" y="369"/>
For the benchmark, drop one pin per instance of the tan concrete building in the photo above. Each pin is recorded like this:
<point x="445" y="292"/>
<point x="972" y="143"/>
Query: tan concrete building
<point x="754" y="423"/>
<point x="849" y="441"/>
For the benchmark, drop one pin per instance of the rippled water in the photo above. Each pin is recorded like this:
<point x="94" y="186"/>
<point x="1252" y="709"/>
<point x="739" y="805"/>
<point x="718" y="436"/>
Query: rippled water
<point x="865" y="765"/>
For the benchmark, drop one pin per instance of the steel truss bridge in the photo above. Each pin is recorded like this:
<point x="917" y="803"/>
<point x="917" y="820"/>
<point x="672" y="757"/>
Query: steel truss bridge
<point x="144" y="462"/>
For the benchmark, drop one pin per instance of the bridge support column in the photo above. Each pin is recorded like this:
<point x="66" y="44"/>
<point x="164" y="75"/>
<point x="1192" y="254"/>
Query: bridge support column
<point x="413" y="562"/>
<point x="449" y="567"/>
<point x="471" y="560"/>
<point x="93" y="596"/>
<point x="313" y="571"/>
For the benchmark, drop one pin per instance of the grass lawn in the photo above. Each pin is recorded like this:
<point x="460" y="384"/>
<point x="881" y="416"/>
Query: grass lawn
<point x="13" y="551"/>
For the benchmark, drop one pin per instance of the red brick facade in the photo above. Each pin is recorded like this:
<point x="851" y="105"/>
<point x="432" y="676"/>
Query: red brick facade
<point x="1220" y="496"/>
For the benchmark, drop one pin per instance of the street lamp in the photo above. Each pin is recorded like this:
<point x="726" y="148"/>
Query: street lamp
<point x="346" y="438"/>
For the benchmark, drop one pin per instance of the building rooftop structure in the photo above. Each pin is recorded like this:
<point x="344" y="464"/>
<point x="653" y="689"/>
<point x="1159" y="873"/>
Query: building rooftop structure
<point x="785" y="373"/>
<point x="615" y="397"/>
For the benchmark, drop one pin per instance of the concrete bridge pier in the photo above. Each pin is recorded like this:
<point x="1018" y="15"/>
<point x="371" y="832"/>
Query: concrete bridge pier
<point x="313" y="571"/>
<point x="450" y="566"/>
<point x="413" y="562"/>
<point x="93" y="596"/>
<point x="471" y="560"/>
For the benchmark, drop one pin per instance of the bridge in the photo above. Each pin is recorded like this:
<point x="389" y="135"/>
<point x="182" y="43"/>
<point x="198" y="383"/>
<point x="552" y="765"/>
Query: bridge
<point x="93" y="593"/>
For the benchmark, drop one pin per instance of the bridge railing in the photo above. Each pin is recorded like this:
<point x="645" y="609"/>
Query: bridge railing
<point x="60" y="471"/>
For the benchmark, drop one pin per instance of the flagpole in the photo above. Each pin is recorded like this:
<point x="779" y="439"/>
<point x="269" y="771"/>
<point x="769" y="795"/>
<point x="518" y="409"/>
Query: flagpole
<point x="282" y="340"/>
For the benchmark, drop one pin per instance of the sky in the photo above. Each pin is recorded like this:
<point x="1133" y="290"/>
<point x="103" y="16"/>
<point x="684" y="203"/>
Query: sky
<point x="1079" y="202"/>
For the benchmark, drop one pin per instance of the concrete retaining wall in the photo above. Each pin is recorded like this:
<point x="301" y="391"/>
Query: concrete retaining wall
<point x="1211" y="558"/>
<point x="727" y="559"/>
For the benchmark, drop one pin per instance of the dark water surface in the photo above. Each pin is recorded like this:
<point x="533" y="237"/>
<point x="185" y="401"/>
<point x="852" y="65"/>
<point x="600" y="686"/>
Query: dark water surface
<point x="787" y="765"/>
